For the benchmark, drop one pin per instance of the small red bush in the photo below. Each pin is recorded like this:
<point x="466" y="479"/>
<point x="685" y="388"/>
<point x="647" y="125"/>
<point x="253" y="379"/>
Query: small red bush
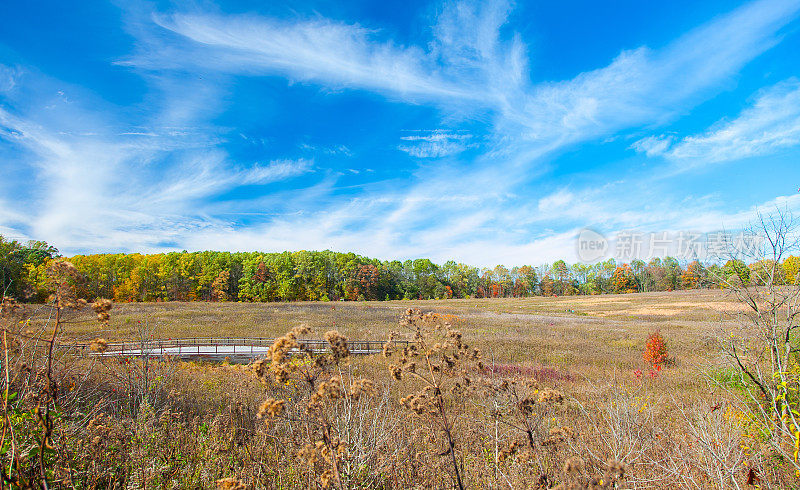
<point x="655" y="352"/>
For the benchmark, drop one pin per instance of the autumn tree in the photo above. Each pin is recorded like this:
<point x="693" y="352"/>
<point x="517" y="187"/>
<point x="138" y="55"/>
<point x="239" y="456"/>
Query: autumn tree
<point x="327" y="275"/>
<point x="644" y="281"/>
<point x="262" y="274"/>
<point x="694" y="276"/>
<point x="655" y="351"/>
<point x="220" y="286"/>
<point x="529" y="278"/>
<point x="791" y="269"/>
<point x="366" y="282"/>
<point x="623" y="279"/>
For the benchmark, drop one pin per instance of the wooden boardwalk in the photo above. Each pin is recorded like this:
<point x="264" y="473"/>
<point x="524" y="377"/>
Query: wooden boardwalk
<point x="221" y="348"/>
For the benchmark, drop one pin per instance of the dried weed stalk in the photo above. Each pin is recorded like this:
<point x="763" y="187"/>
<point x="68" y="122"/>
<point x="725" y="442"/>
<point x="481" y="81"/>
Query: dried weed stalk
<point x="439" y="364"/>
<point x="318" y="389"/>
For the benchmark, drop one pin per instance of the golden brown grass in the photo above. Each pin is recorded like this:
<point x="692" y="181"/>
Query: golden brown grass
<point x="554" y="400"/>
<point x="590" y="336"/>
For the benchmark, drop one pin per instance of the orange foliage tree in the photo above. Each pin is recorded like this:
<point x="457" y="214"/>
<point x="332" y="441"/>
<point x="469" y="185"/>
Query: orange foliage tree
<point x="623" y="280"/>
<point x="693" y="276"/>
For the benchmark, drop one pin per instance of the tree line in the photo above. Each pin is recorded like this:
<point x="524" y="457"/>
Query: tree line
<point x="332" y="276"/>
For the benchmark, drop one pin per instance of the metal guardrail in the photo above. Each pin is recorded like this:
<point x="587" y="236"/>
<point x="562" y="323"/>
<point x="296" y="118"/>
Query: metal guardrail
<point x="222" y="347"/>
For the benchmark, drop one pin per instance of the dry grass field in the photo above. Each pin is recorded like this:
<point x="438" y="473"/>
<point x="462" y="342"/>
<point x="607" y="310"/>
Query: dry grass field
<point x="587" y="335"/>
<point x="561" y="396"/>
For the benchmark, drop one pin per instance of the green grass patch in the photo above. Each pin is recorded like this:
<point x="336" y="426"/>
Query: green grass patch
<point x="730" y="378"/>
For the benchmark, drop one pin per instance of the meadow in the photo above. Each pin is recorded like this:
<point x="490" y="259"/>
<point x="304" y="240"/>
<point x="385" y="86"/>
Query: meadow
<point x="559" y="396"/>
<point x="582" y="334"/>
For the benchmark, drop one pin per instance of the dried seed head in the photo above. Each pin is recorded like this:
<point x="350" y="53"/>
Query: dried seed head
<point x="338" y="344"/>
<point x="280" y="372"/>
<point x="271" y="408"/>
<point x="615" y="471"/>
<point x="64" y="277"/>
<point x="102" y="304"/>
<point x="230" y="483"/>
<point x="101" y="307"/>
<point x="549" y="395"/>
<point x="302" y="329"/>
<point x="418" y="403"/>
<point x="527" y="404"/>
<point x="308" y="454"/>
<point x="573" y="465"/>
<point x="362" y="387"/>
<point x="558" y="434"/>
<point x="98" y="345"/>
<point x="326" y="479"/>
<point x="505" y="453"/>
<point x="397" y="373"/>
<point x="8" y="305"/>
<point x="260" y="367"/>
<point x="331" y="389"/>
<point x="281" y="347"/>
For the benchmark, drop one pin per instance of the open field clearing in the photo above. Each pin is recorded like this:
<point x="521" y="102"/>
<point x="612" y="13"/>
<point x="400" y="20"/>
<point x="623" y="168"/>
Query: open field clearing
<point x="575" y="333"/>
<point x="495" y="393"/>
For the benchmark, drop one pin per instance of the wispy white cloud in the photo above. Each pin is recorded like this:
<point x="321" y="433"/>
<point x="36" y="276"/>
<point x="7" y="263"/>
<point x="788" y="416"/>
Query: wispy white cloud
<point x="338" y="150"/>
<point x="471" y="66"/>
<point x="653" y="145"/>
<point x="320" y="50"/>
<point x="8" y="77"/>
<point x="134" y="196"/>
<point x="645" y="86"/>
<point x="436" y="143"/>
<point x="275" y="171"/>
<point x="770" y="124"/>
<point x="437" y="135"/>
<point x="482" y="238"/>
<point x="556" y="202"/>
<point x="468" y="67"/>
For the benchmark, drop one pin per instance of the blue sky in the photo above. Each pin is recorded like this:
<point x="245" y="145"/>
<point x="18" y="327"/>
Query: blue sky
<point x="486" y="132"/>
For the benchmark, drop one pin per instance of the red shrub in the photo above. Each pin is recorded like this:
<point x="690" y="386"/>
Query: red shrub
<point x="655" y="352"/>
